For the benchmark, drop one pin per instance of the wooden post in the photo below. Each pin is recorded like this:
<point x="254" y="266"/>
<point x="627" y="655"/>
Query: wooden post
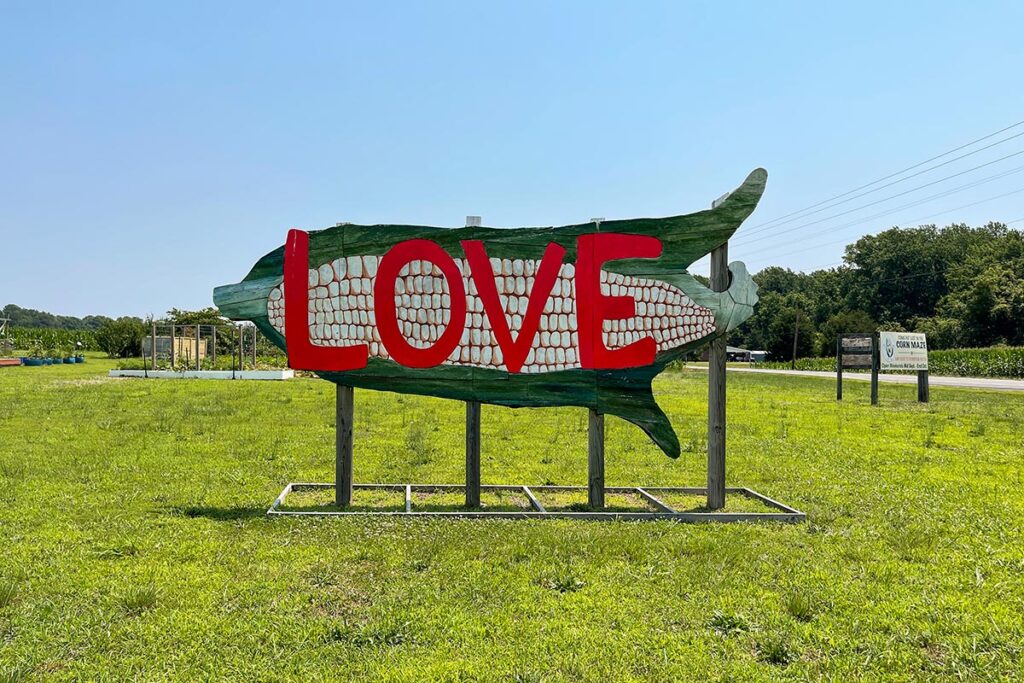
<point x="152" y="344"/>
<point x="343" y="414"/>
<point x="595" y="461"/>
<point x="198" y="342"/>
<point x="172" y="347"/>
<point x="839" y="368"/>
<point x="875" y="360"/>
<point x="473" y="430"/>
<point x="716" y="390"/>
<point x="472" y="454"/>
<point x="241" y="347"/>
<point x="214" y="345"/>
<point x="922" y="386"/>
<point x="255" y="338"/>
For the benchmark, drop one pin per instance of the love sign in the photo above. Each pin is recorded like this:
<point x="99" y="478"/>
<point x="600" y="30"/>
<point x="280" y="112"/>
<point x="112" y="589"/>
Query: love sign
<point x="581" y="315"/>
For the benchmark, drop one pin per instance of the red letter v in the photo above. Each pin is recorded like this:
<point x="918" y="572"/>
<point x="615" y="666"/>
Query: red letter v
<point x="514" y="352"/>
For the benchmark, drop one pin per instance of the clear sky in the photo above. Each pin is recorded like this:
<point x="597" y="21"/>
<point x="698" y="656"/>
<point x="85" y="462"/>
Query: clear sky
<point x="150" y="151"/>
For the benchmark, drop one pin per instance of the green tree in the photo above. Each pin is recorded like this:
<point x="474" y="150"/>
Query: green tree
<point x="121" y="338"/>
<point x="846" y="322"/>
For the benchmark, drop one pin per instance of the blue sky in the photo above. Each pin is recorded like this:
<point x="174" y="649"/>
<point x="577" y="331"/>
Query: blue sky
<point x="150" y="151"/>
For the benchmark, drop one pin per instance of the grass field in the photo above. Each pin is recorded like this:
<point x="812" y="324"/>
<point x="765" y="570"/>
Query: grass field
<point x="135" y="544"/>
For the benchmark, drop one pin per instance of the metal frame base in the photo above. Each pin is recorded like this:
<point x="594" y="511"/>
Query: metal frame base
<point x="785" y="513"/>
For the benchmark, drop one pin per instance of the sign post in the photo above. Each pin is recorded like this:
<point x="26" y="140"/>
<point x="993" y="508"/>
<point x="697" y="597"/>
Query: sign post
<point x="343" y="415"/>
<point x="719" y="273"/>
<point x="473" y="428"/>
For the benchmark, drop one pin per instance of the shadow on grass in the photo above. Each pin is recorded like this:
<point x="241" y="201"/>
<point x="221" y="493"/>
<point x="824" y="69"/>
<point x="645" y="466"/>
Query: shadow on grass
<point x="220" y="514"/>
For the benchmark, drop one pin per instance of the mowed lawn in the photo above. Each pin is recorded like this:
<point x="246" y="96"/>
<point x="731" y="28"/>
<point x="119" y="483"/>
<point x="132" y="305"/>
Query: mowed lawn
<point x="134" y="544"/>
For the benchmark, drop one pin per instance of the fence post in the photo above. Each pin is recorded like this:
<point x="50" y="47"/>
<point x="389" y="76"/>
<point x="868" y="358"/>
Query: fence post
<point x="172" y="346"/>
<point x="198" y="342"/>
<point x="922" y="386"/>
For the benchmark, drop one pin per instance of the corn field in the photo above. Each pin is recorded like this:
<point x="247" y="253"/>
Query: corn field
<point x="995" y="361"/>
<point x="47" y="338"/>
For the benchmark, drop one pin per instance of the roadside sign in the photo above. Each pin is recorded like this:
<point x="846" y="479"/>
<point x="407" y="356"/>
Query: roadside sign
<point x="903" y="351"/>
<point x="857" y="352"/>
<point x="883" y="351"/>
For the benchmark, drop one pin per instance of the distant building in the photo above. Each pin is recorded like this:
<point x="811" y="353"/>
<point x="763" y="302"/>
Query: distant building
<point x="735" y="354"/>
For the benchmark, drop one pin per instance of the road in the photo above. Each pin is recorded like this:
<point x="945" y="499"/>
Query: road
<point x="961" y="382"/>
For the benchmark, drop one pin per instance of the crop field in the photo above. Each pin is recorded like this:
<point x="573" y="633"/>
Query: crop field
<point x="135" y="544"/>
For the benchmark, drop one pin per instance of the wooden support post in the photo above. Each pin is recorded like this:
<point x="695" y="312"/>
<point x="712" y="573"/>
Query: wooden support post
<point x="343" y="413"/>
<point x="473" y="431"/>
<point x="199" y="341"/>
<point x="472" y="454"/>
<point x="172" y="347"/>
<point x="716" y="390"/>
<point x="839" y="368"/>
<point x="152" y="344"/>
<point x="922" y="386"/>
<point x="875" y="361"/>
<point x="595" y="461"/>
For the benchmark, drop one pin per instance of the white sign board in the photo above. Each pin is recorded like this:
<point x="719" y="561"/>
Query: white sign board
<point x="902" y="351"/>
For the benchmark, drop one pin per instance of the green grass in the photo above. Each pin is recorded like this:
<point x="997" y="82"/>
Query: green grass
<point x="135" y="545"/>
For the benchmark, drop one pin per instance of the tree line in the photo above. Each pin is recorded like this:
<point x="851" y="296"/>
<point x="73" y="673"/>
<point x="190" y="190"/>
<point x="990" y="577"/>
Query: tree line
<point x="963" y="286"/>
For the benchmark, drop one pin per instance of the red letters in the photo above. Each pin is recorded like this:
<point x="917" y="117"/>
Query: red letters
<point x="302" y="354"/>
<point x="593" y="308"/>
<point x="513" y="352"/>
<point x="384" y="303"/>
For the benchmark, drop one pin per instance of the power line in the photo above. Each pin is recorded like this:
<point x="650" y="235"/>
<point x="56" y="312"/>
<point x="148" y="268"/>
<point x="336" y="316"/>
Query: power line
<point x="906" y="222"/>
<point x="741" y="242"/>
<point x="893" y="175"/>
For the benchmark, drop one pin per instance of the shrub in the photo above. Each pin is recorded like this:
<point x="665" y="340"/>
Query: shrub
<point x="121" y="338"/>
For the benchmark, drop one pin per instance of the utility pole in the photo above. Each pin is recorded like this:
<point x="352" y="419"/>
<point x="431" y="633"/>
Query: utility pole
<point x="796" y="337"/>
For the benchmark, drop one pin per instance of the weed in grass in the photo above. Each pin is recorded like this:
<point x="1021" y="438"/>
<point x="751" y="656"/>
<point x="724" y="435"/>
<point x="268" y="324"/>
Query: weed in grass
<point x="979" y="428"/>
<point x="561" y="581"/>
<point x="121" y="548"/>
<point x="8" y="591"/>
<point x="799" y="606"/>
<point x="914" y="543"/>
<point x="139" y="599"/>
<point x="775" y="649"/>
<point x="388" y="633"/>
<point x="725" y="624"/>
